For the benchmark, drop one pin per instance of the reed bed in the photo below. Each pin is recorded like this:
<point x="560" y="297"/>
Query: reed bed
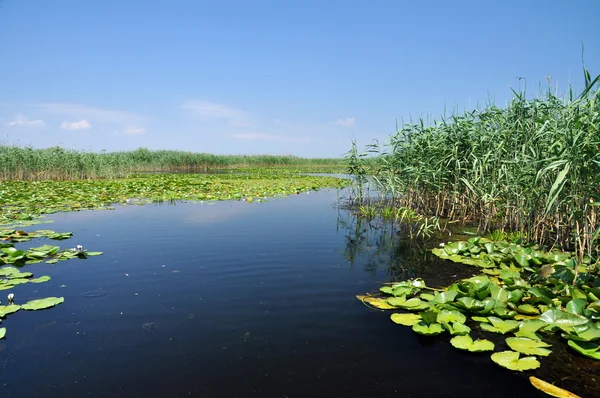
<point x="29" y="164"/>
<point x="531" y="167"/>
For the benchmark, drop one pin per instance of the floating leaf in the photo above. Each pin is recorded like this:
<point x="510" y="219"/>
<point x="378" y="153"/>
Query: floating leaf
<point x="466" y="343"/>
<point x="2" y="333"/>
<point x="576" y="306"/>
<point x="8" y="309"/>
<point x="444" y="297"/>
<point x="414" y="304"/>
<point x="91" y="254"/>
<point x="480" y="319"/>
<point x="528" y="346"/>
<point x="499" y="325"/>
<point x="406" y="319"/>
<point x="42" y="304"/>
<point x="428" y="330"/>
<point x="563" y="320"/>
<point x="588" y="349"/>
<point x="41" y="279"/>
<point x="528" y="328"/>
<point x="551" y="389"/>
<point x="511" y="360"/>
<point x="457" y="328"/>
<point x="447" y="316"/>
<point x="396" y="301"/>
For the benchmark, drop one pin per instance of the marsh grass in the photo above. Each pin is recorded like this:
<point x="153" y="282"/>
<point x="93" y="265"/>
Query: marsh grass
<point x="29" y="164"/>
<point x="532" y="168"/>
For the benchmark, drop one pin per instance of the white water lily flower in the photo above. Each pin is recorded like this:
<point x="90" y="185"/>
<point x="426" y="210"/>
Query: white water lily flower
<point x="10" y="296"/>
<point x="79" y="247"/>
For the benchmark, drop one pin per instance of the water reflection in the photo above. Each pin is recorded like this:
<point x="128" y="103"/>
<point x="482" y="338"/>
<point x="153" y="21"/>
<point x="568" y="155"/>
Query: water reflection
<point x="380" y="245"/>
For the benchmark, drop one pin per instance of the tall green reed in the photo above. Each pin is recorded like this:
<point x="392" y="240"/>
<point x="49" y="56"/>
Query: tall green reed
<point x="532" y="167"/>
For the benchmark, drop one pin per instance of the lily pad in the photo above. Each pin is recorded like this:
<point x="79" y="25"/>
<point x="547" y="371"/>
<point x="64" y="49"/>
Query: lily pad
<point x="466" y="342"/>
<point x="528" y="346"/>
<point x="42" y="304"/>
<point x="8" y="309"/>
<point x="2" y="333"/>
<point x="428" y="330"/>
<point x="590" y="350"/>
<point x="457" y="328"/>
<point x="447" y="316"/>
<point x="511" y="360"/>
<point x="528" y="328"/>
<point x="499" y="325"/>
<point x="406" y="319"/>
<point x="41" y="279"/>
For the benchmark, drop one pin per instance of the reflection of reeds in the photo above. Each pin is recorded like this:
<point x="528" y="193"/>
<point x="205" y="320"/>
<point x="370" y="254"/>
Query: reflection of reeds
<point x="24" y="163"/>
<point x="531" y="168"/>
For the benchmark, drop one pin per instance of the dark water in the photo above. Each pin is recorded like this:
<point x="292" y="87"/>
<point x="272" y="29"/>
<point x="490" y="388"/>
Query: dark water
<point x="231" y="299"/>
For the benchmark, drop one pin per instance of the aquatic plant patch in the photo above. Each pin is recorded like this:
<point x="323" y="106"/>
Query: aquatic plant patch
<point x="529" y="293"/>
<point x="26" y="200"/>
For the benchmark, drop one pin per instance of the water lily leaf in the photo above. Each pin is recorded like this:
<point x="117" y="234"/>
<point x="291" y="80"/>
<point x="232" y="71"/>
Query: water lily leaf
<point x="515" y="295"/>
<point x="470" y="304"/>
<point x="511" y="360"/>
<point x="41" y="279"/>
<point x="427" y="296"/>
<point x="8" y="309"/>
<point x="447" y="316"/>
<point x="499" y="294"/>
<point x="527" y="309"/>
<point x="406" y="319"/>
<point x="551" y="389"/>
<point x="404" y="291"/>
<point x="428" y="330"/>
<point x="396" y="301"/>
<point x="52" y="261"/>
<point x="576" y="306"/>
<point x="586" y="332"/>
<point x="528" y="346"/>
<point x="7" y="271"/>
<point x="92" y="254"/>
<point x="18" y="281"/>
<point x="42" y="304"/>
<point x="528" y="328"/>
<point x="466" y="342"/>
<point x="457" y="328"/>
<point x="2" y="333"/>
<point x="444" y="297"/>
<point x="584" y="348"/>
<point x="563" y="319"/>
<point x="480" y="319"/>
<point x="414" y="304"/>
<point x="499" y="325"/>
<point x="386" y="289"/>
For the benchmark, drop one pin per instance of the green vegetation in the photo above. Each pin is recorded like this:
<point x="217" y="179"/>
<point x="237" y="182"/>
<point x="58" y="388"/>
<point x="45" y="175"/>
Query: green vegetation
<point x="531" y="168"/>
<point x="25" y="163"/>
<point x="523" y="290"/>
<point x="27" y="200"/>
<point x="528" y="177"/>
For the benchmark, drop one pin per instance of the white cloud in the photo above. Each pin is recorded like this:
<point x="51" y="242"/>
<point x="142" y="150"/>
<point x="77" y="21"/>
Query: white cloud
<point x="80" y="125"/>
<point x="77" y="111"/>
<point x="22" y="121"/>
<point x="347" y="122"/>
<point x="212" y="110"/>
<point x="135" y="130"/>
<point x="269" y="137"/>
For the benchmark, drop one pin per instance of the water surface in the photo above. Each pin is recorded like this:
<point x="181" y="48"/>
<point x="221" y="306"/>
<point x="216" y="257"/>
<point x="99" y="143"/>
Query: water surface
<point x="231" y="299"/>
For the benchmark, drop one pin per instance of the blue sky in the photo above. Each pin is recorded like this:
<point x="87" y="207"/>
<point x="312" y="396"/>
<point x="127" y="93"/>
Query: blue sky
<point x="271" y="77"/>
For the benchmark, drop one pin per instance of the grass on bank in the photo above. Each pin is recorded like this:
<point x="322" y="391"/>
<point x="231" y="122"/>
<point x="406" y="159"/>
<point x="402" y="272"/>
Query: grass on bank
<point x="29" y="164"/>
<point x="532" y="167"/>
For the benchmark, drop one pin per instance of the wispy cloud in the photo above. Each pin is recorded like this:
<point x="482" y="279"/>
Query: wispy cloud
<point x="80" y="125"/>
<point x="22" y="121"/>
<point x="270" y="137"/>
<point x="347" y="122"/>
<point x="93" y="114"/>
<point x="212" y="110"/>
<point x="135" y="130"/>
